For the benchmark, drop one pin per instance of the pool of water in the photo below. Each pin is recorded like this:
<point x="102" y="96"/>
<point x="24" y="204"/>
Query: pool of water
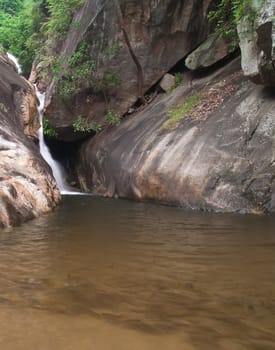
<point x="112" y="274"/>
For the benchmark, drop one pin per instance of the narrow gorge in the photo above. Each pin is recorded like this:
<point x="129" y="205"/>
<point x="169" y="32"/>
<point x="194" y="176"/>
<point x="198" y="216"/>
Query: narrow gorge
<point x="198" y="134"/>
<point x="137" y="174"/>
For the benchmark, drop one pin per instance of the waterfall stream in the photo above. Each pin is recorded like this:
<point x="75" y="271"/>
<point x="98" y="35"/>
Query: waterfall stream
<point x="15" y="61"/>
<point x="57" y="169"/>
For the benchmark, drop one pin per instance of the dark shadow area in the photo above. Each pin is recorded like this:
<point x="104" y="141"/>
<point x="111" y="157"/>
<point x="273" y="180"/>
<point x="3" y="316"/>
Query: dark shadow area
<point x="66" y="154"/>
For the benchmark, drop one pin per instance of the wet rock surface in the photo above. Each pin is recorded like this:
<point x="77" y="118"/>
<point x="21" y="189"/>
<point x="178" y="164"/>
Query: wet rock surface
<point x="27" y="188"/>
<point x="219" y="157"/>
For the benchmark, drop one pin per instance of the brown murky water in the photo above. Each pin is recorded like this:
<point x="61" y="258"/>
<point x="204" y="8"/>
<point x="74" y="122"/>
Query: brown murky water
<point x="115" y="275"/>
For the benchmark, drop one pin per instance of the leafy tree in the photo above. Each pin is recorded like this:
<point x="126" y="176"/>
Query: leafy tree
<point x="18" y="22"/>
<point x="24" y="24"/>
<point x="11" y="6"/>
<point x="61" y="13"/>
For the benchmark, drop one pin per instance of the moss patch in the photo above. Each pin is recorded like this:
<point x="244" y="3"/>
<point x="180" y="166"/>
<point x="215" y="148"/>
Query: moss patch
<point x="177" y="113"/>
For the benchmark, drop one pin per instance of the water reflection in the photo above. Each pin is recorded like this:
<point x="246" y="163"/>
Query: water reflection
<point x="162" y="277"/>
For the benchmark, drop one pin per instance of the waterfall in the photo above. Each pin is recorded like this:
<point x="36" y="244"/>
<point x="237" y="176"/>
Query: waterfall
<point x="15" y="61"/>
<point x="57" y="169"/>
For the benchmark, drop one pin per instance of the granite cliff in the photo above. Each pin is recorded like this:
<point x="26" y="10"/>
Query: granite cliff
<point x="126" y="47"/>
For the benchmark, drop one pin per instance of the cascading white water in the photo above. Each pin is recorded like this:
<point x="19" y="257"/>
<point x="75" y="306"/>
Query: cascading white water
<point x="15" y="61"/>
<point x="57" y="169"/>
<point x="44" y="150"/>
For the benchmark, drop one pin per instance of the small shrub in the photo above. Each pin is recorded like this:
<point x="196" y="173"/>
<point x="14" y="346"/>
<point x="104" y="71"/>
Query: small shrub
<point x="95" y="126"/>
<point x="80" y="125"/>
<point x="178" y="79"/>
<point x="112" y="118"/>
<point x="48" y="130"/>
<point x="77" y="73"/>
<point x="61" y="13"/>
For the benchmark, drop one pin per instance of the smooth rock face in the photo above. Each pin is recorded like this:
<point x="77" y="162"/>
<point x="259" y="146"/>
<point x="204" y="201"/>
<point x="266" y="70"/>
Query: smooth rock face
<point x="257" y="44"/>
<point x="211" y="51"/>
<point x="160" y="32"/>
<point x="27" y="187"/>
<point x="220" y="157"/>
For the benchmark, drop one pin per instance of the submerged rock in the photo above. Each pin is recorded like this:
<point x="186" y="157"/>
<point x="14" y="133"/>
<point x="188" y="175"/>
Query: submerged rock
<point x="220" y="156"/>
<point x="27" y="187"/>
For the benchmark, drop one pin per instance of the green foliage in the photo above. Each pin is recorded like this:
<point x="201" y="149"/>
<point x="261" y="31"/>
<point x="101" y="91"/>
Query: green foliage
<point x="177" y="113"/>
<point x="19" y="20"/>
<point x="10" y="6"/>
<point x="48" y="130"/>
<point x="25" y="23"/>
<point x="112" y="118"/>
<point x="227" y="14"/>
<point x="80" y="125"/>
<point x="178" y="79"/>
<point x="77" y="71"/>
<point x="73" y="79"/>
<point x="61" y="13"/>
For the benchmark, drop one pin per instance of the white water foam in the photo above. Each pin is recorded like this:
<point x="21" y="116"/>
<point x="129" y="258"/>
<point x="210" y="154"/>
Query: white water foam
<point x="57" y="169"/>
<point x="15" y="61"/>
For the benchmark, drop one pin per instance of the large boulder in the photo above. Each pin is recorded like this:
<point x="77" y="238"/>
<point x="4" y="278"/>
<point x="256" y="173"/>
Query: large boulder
<point x="257" y="42"/>
<point x="220" y="156"/>
<point x="212" y="50"/>
<point x="160" y="33"/>
<point x="27" y="188"/>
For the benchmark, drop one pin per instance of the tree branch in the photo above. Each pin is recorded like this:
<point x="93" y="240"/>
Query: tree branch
<point x="140" y="79"/>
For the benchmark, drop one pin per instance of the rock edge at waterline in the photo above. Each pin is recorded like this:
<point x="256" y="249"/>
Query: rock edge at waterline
<point x="219" y="157"/>
<point x="27" y="188"/>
